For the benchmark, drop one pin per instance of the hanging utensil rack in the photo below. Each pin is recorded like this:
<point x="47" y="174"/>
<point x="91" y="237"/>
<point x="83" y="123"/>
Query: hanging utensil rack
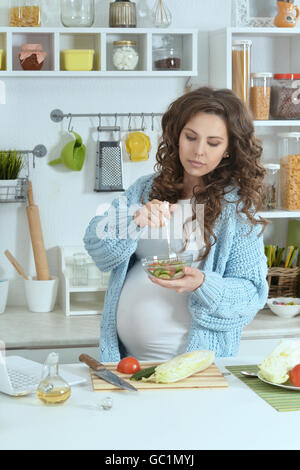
<point x="16" y="190"/>
<point x="57" y="116"/>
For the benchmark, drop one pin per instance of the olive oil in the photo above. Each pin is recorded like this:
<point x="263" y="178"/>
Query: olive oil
<point x="55" y="396"/>
<point x="53" y="389"/>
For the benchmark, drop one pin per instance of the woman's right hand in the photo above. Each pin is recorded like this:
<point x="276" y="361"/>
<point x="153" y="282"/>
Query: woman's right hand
<point x="153" y="213"/>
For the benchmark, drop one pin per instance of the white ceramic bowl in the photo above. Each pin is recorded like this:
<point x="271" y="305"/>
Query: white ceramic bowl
<point x="285" y="311"/>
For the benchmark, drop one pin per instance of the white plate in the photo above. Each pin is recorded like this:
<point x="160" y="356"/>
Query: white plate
<point x="289" y="387"/>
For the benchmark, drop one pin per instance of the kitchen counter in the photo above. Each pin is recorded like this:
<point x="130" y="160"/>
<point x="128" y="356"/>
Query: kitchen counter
<point x="21" y="329"/>
<point x="231" y="418"/>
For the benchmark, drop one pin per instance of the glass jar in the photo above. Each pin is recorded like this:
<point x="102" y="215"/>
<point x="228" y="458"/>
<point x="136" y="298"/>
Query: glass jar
<point x="32" y="56"/>
<point x="168" y="56"/>
<point x="125" y="55"/>
<point x="25" y="13"/>
<point x="260" y="94"/>
<point x="80" y="269"/>
<point x="271" y="186"/>
<point x="285" y="99"/>
<point x="289" y="146"/>
<point x="241" y="61"/>
<point x="77" y="13"/>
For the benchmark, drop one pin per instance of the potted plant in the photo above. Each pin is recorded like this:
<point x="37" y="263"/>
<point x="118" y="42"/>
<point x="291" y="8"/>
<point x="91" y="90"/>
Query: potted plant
<point x="10" y="166"/>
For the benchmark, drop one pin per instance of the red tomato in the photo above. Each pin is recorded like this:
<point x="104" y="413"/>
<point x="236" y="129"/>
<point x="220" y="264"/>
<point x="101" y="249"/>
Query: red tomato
<point x="129" y="365"/>
<point x="295" y="375"/>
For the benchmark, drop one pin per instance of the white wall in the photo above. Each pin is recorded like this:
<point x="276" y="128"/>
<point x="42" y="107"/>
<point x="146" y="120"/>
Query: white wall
<point x="66" y="199"/>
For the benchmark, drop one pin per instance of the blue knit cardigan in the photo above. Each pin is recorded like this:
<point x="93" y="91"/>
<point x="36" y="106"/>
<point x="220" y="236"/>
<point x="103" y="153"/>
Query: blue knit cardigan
<point x="235" y="285"/>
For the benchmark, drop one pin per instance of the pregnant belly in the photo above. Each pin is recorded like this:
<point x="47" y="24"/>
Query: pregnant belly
<point x="152" y="321"/>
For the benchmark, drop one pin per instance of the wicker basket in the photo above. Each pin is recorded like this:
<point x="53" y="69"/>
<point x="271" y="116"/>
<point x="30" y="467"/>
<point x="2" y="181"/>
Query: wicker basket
<point x="283" y="282"/>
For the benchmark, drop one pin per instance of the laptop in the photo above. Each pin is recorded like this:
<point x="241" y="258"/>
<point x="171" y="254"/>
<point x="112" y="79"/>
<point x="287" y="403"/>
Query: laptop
<point x="19" y="376"/>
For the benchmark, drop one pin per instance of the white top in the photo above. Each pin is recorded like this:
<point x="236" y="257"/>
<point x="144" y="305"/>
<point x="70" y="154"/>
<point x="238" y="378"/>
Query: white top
<point x="152" y="321"/>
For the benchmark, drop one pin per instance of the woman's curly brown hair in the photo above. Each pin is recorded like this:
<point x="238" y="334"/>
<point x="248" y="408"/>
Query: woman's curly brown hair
<point x="243" y="169"/>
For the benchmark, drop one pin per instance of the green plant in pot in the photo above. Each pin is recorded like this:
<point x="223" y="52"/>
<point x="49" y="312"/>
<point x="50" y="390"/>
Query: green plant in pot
<point x="10" y="165"/>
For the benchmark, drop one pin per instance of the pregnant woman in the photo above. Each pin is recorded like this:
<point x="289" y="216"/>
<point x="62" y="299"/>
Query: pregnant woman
<point x="208" y="161"/>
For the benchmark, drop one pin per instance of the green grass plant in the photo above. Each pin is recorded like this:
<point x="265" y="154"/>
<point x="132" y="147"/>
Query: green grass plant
<point x="10" y="164"/>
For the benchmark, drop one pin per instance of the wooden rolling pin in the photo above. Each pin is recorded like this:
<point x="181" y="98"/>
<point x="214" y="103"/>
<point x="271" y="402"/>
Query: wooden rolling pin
<point x="15" y="263"/>
<point x="36" y="234"/>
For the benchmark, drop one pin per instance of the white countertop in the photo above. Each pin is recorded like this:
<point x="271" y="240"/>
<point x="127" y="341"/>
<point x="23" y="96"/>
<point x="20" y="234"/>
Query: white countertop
<point x="232" y="418"/>
<point x="21" y="329"/>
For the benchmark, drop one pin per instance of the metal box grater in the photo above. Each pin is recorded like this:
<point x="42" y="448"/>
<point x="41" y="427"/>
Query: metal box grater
<point x="109" y="166"/>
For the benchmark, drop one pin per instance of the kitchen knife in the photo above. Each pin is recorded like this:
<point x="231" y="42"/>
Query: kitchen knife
<point x="106" y="374"/>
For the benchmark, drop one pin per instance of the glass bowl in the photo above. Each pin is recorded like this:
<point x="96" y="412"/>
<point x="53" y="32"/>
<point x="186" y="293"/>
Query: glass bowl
<point x="161" y="267"/>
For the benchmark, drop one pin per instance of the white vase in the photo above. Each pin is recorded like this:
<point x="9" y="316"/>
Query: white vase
<point x="3" y="294"/>
<point x="41" y="295"/>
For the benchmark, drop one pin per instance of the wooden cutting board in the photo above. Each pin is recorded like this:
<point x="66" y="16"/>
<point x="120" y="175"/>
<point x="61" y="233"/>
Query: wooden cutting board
<point x="208" y="378"/>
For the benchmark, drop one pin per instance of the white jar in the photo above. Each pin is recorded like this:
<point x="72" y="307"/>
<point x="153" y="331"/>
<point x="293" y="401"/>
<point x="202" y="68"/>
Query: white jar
<point x="125" y="55"/>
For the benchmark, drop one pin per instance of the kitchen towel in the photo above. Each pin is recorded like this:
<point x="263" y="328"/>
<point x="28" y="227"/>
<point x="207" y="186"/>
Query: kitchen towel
<point x="280" y="398"/>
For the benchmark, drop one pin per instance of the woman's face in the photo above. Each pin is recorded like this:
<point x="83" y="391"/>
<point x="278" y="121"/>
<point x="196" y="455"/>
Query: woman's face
<point x="202" y="144"/>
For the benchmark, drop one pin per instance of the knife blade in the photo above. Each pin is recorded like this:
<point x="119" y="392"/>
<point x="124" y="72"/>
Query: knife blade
<point x="105" y="374"/>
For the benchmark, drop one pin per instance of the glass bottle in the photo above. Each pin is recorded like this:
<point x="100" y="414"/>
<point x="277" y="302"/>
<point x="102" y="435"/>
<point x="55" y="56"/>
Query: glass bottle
<point x="162" y="17"/>
<point x="25" y="13"/>
<point x="77" y="13"/>
<point x="53" y="389"/>
<point x="241" y="60"/>
<point x="271" y="186"/>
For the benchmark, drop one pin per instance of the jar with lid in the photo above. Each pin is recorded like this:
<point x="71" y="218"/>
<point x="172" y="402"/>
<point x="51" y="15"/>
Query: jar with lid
<point x="271" y="186"/>
<point x="77" y="13"/>
<point x="25" y="13"/>
<point x="167" y="57"/>
<point x="289" y="148"/>
<point x="241" y="61"/>
<point x="125" y="55"/>
<point x="260" y="94"/>
<point x="285" y="99"/>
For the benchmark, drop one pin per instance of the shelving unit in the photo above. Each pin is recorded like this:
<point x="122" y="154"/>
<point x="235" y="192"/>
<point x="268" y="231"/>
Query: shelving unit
<point x="274" y="50"/>
<point x="54" y="40"/>
<point x="80" y="300"/>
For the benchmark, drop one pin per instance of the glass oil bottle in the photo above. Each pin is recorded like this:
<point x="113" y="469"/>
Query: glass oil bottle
<point x="53" y="389"/>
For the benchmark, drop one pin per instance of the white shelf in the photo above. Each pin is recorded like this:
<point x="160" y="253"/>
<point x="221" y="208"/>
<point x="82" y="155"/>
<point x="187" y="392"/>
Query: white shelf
<point x="80" y="300"/>
<point x="279" y="123"/>
<point x="54" y="40"/>
<point x="94" y="285"/>
<point x="279" y="214"/>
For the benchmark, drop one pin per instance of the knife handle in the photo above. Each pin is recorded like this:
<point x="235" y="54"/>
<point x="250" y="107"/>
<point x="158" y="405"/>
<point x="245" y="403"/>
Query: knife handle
<point x="90" y="361"/>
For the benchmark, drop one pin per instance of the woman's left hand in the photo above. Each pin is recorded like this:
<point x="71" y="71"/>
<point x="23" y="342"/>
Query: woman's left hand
<point x="193" y="278"/>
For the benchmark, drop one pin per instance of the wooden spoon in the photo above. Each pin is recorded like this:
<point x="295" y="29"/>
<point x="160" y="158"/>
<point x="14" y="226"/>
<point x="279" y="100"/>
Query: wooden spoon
<point x="15" y="263"/>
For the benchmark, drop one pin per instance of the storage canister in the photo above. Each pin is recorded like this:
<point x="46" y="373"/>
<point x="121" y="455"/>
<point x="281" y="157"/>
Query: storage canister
<point x="285" y="97"/>
<point x="25" y="13"/>
<point x="260" y="94"/>
<point x="168" y="56"/>
<point x="125" y="55"/>
<point x="289" y="146"/>
<point x="241" y="60"/>
<point x="77" y="13"/>
<point x="271" y="186"/>
<point x="122" y="14"/>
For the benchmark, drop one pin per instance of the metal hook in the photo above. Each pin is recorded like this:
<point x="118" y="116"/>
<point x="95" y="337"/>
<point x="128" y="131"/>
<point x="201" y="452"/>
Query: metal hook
<point x="152" y="122"/>
<point x="129" y="122"/>
<point x="116" y="118"/>
<point x="143" y="122"/>
<point x="69" y="126"/>
<point x="99" y="126"/>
